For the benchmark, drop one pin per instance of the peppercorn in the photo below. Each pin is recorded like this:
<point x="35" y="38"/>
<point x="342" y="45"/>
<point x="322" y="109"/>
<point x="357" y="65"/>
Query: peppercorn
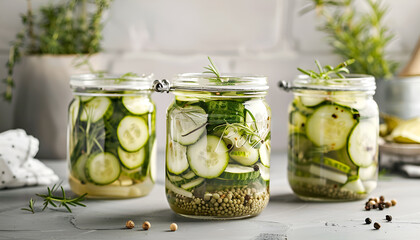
<point x="129" y="224"/>
<point x="393" y="202"/>
<point x="146" y="225"/>
<point x="382" y="199"/>
<point x="381" y="206"/>
<point x="388" y="204"/>
<point x="374" y="206"/>
<point x="376" y="225"/>
<point x="256" y="168"/>
<point x="375" y="199"/>
<point x="368" y="221"/>
<point x="173" y="227"/>
<point x="388" y="218"/>
<point x="367" y="208"/>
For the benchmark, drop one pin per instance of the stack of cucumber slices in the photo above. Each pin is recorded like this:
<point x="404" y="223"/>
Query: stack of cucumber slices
<point x="111" y="138"/>
<point x="215" y="145"/>
<point x="332" y="144"/>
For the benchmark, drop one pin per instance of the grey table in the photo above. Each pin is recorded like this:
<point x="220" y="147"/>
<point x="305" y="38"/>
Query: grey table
<point x="286" y="217"/>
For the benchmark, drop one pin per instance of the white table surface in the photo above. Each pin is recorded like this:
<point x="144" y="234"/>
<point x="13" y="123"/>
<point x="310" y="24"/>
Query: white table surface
<point x="286" y="217"/>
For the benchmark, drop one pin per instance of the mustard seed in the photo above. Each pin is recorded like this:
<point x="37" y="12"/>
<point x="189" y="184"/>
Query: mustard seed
<point x="146" y="225"/>
<point x="129" y="224"/>
<point x="393" y="202"/>
<point x="173" y="227"/>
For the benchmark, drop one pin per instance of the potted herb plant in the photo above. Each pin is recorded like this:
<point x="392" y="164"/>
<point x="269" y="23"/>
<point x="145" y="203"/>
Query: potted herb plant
<point x="48" y="49"/>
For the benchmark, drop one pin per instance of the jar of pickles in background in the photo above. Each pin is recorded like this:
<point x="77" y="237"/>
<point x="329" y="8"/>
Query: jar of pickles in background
<point x="111" y="136"/>
<point x="333" y="138"/>
<point x="218" y="146"/>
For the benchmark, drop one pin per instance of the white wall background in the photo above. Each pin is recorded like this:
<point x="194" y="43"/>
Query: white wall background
<point x="167" y="37"/>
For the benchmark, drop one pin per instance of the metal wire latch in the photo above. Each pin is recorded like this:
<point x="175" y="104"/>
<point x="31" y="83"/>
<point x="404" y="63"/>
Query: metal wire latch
<point x="285" y="85"/>
<point x="162" y="85"/>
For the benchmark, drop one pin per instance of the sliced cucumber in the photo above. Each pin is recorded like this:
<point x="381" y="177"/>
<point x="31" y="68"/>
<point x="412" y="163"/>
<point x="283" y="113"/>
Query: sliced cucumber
<point x="103" y="168"/>
<point x="298" y="121"/>
<point x="299" y="148"/>
<point x="368" y="173"/>
<point x="187" y="124"/>
<point x="177" y="190"/>
<point x="153" y="162"/>
<point x="208" y="157"/>
<point x="265" y="151"/>
<point x="297" y="105"/>
<point x="137" y="105"/>
<point x="96" y="109"/>
<point x="355" y="186"/>
<point x="79" y="168"/>
<point x="370" y="185"/>
<point x="264" y="172"/>
<point x="189" y="175"/>
<point x="175" y="179"/>
<point x="311" y="101"/>
<point x="132" y="160"/>
<point x="225" y="111"/>
<point x="356" y="100"/>
<point x="362" y="145"/>
<point x="176" y="157"/>
<point x="330" y="126"/>
<point x="132" y="133"/>
<point x="245" y="154"/>
<point x="193" y="184"/>
<point x="328" y="174"/>
<point x="86" y="98"/>
<point x="238" y="172"/>
<point x="74" y="111"/>
<point x="331" y="163"/>
<point x="258" y="117"/>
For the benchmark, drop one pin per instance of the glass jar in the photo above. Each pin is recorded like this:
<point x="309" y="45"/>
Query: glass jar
<point x="111" y="136"/>
<point x="218" y="146"/>
<point x="333" y="138"/>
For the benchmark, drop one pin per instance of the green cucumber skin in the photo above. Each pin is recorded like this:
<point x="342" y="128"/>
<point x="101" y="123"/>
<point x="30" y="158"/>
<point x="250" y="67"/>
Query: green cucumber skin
<point x="107" y="136"/>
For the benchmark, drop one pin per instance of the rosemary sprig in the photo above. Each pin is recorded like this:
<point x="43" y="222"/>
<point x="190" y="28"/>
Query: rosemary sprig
<point x="326" y="71"/>
<point x="346" y="27"/>
<point x="63" y="201"/>
<point x="30" y="206"/>
<point x="212" y="69"/>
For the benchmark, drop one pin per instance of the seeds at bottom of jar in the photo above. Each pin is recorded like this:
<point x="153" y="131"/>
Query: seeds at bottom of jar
<point x="229" y="203"/>
<point x="324" y="191"/>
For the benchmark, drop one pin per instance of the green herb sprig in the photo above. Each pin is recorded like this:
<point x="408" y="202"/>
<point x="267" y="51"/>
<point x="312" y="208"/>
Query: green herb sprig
<point x="212" y="69"/>
<point x="326" y="71"/>
<point x="57" y="201"/>
<point x="30" y="206"/>
<point x="347" y="27"/>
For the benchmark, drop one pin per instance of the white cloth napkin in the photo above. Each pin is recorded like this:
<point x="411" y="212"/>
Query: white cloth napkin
<point x="18" y="167"/>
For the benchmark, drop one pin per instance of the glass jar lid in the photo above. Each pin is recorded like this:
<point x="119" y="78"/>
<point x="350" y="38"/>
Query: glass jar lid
<point x="226" y="82"/>
<point x="83" y="83"/>
<point x="351" y="82"/>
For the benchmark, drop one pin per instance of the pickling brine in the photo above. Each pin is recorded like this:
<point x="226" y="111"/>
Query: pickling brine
<point x="333" y="139"/>
<point x="111" y="137"/>
<point x="218" y="152"/>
